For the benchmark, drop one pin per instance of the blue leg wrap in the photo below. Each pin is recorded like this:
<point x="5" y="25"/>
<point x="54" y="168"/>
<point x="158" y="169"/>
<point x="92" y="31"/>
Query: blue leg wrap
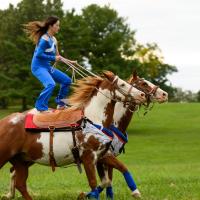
<point x="109" y="193"/>
<point x="130" y="181"/>
<point x="94" y="194"/>
<point x="100" y="189"/>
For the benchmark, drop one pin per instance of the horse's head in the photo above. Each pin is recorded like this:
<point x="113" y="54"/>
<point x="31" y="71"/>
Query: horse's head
<point x="123" y="90"/>
<point x="152" y="92"/>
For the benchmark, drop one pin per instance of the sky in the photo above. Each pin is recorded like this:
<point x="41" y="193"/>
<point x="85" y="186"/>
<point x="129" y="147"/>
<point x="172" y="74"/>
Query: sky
<point x="173" y="24"/>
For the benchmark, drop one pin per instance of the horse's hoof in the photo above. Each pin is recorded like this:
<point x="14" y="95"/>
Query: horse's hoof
<point x="136" y="194"/>
<point x="82" y="196"/>
<point x="109" y="198"/>
<point x="92" y="198"/>
<point x="93" y="195"/>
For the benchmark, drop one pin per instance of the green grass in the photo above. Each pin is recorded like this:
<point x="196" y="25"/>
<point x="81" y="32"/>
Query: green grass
<point x="163" y="154"/>
<point x="12" y="109"/>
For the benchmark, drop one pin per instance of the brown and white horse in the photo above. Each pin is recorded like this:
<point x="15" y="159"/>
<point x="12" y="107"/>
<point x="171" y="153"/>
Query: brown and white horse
<point x="121" y="119"/>
<point x="23" y="149"/>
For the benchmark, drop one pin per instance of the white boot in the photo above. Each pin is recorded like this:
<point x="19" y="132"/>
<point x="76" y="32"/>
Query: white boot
<point x="59" y="107"/>
<point x="136" y="194"/>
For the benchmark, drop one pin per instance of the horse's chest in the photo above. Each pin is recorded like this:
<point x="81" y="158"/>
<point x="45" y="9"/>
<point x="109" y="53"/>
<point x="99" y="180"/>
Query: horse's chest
<point x="62" y="145"/>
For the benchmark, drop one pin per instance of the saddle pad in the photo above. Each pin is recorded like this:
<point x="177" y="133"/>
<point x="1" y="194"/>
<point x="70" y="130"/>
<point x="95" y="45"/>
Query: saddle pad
<point x="29" y="122"/>
<point x="33" y="121"/>
<point x="59" y="118"/>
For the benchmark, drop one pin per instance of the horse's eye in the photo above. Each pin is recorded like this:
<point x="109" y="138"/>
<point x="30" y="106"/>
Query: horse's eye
<point x="122" y="85"/>
<point x="145" y="84"/>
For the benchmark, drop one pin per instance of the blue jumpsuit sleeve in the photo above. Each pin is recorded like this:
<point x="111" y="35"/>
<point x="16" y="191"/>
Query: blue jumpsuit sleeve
<point x="42" y="46"/>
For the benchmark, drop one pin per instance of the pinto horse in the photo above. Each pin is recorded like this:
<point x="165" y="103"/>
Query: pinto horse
<point x="121" y="119"/>
<point x="23" y="149"/>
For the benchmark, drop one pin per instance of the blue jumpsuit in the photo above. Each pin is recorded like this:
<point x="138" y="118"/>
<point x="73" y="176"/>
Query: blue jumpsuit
<point x="44" y="54"/>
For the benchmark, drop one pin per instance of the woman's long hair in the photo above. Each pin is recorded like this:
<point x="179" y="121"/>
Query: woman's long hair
<point x="36" y="29"/>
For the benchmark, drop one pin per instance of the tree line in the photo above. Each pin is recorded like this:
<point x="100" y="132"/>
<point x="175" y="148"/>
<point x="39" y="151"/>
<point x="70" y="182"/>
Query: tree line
<point x="97" y="37"/>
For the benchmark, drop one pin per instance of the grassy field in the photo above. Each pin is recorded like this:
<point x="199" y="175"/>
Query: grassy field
<point x="163" y="154"/>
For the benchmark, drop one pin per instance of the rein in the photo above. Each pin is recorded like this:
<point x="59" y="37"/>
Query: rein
<point x="79" y="70"/>
<point x="84" y="73"/>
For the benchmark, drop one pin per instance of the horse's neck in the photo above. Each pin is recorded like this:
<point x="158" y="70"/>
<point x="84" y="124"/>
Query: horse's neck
<point x="122" y="116"/>
<point x="100" y="108"/>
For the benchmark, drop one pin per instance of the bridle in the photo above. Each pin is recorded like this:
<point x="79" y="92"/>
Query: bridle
<point x="153" y="90"/>
<point x="148" y="94"/>
<point x="128" y="97"/>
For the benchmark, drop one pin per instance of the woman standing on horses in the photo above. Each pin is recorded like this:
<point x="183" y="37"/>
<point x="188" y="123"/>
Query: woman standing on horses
<point x="46" y="51"/>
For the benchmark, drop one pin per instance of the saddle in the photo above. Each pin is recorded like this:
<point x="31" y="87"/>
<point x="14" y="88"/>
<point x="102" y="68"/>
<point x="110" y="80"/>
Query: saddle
<point x="57" y="120"/>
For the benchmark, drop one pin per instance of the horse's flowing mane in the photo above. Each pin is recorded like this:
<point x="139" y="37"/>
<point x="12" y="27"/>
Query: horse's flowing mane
<point x="83" y="90"/>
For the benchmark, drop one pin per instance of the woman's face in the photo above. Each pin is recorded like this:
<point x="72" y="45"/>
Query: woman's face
<point x="55" y="27"/>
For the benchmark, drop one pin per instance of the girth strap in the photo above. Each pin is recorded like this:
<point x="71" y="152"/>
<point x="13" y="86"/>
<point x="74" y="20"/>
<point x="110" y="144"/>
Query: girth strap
<point x="75" y="151"/>
<point x="52" y="160"/>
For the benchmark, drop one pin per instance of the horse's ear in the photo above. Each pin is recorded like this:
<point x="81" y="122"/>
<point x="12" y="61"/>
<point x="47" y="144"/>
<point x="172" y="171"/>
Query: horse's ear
<point x="108" y="74"/>
<point x="135" y="76"/>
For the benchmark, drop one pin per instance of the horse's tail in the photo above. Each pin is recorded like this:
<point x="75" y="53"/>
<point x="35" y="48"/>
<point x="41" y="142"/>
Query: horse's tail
<point x="11" y="136"/>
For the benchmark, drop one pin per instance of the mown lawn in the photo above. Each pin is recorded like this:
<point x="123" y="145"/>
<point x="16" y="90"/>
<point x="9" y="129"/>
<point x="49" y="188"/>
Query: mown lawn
<point x="163" y="154"/>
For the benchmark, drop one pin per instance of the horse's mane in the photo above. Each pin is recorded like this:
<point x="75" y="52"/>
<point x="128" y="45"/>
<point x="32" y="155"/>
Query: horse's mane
<point x="129" y="79"/>
<point x="83" y="90"/>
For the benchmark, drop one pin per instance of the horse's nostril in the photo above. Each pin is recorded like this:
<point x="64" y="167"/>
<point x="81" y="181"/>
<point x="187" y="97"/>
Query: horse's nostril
<point x="164" y="94"/>
<point x="142" y="94"/>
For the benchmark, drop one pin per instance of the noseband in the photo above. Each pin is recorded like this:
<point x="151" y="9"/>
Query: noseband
<point x="128" y="97"/>
<point x="148" y="94"/>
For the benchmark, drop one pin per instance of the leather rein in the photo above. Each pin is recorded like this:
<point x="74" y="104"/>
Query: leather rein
<point x="129" y="99"/>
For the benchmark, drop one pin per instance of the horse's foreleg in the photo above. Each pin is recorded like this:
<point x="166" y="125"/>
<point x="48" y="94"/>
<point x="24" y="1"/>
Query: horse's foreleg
<point x="88" y="159"/>
<point x="109" y="189"/>
<point x="112" y="162"/>
<point x="105" y="174"/>
<point x="102" y="170"/>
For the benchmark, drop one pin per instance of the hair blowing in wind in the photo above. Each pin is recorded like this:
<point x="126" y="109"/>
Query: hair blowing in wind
<point x="36" y="29"/>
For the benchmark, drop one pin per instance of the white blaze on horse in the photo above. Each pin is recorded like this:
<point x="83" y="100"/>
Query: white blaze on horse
<point x="121" y="119"/>
<point x="96" y="97"/>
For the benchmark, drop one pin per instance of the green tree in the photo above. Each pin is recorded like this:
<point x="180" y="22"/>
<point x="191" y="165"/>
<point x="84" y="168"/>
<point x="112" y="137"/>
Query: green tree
<point x="97" y="36"/>
<point x="198" y="96"/>
<point x="16" y="51"/>
<point x="153" y="67"/>
<point x="54" y="7"/>
<point x="110" y="40"/>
